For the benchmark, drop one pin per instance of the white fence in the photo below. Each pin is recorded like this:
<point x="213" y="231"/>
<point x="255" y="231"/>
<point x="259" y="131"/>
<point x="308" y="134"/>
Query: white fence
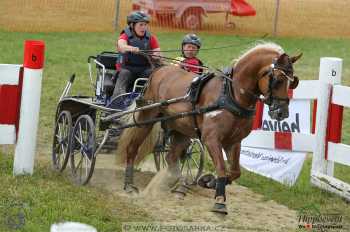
<point x="330" y="98"/>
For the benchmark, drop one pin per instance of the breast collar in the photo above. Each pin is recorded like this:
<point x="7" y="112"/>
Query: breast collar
<point x="228" y="102"/>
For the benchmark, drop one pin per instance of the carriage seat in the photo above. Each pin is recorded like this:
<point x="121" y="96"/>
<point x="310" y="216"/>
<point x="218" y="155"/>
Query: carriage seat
<point x="109" y="61"/>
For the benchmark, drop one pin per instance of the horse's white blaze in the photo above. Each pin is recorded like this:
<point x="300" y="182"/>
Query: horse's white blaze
<point x="213" y="114"/>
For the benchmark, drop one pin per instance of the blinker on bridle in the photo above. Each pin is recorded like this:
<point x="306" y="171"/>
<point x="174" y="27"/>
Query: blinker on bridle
<point x="273" y="82"/>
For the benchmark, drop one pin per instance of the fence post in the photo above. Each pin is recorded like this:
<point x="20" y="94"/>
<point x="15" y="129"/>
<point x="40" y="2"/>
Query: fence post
<point x="329" y="75"/>
<point x="30" y="106"/>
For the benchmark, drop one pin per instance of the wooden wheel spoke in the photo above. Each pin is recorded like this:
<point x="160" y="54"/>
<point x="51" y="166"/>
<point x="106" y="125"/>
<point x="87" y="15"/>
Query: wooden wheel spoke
<point x="78" y="139"/>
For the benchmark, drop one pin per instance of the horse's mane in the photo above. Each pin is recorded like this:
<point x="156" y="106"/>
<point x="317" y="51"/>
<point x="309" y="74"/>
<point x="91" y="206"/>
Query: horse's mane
<point x="258" y="46"/>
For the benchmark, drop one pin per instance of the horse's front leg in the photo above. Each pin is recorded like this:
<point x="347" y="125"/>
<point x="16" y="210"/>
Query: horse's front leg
<point x="233" y="153"/>
<point x="211" y="140"/>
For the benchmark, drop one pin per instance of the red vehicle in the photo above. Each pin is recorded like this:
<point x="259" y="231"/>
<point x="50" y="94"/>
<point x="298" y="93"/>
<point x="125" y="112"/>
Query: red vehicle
<point x="189" y="14"/>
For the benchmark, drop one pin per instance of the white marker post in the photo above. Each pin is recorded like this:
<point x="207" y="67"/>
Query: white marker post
<point x="330" y="74"/>
<point x="30" y="106"/>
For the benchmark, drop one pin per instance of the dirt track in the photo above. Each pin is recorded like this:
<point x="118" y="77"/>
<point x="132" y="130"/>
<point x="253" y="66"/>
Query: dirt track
<point x="247" y="210"/>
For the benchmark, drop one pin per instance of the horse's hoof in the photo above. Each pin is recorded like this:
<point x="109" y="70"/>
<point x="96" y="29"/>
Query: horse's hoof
<point x="131" y="189"/>
<point x="207" y="181"/>
<point x="180" y="191"/>
<point x="180" y="196"/>
<point x="220" y="208"/>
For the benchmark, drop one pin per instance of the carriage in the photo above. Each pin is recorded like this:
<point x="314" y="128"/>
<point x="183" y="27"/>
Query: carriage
<point x="86" y="125"/>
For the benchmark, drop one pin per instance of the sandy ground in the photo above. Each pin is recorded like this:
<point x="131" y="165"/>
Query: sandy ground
<point x="248" y="211"/>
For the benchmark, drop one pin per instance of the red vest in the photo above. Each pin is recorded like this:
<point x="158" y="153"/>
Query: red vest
<point x="195" y="62"/>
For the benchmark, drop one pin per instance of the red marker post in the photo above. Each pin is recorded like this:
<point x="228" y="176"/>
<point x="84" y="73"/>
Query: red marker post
<point x="30" y="107"/>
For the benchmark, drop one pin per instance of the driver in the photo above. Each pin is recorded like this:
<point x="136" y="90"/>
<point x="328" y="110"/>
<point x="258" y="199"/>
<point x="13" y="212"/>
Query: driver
<point x="134" y="38"/>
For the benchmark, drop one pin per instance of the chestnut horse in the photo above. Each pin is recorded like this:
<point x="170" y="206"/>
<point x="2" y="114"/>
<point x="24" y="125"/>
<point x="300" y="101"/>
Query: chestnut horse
<point x="265" y="71"/>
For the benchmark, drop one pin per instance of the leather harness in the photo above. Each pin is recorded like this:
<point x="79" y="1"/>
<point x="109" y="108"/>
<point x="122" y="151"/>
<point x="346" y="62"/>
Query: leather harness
<point x="225" y="101"/>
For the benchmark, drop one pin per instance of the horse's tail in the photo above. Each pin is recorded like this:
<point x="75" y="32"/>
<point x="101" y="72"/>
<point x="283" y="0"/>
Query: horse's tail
<point x="129" y="134"/>
<point x="149" y="143"/>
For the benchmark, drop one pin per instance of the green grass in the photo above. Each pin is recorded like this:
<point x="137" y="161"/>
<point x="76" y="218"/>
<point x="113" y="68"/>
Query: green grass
<point x="302" y="196"/>
<point x="33" y="203"/>
<point x="67" y="53"/>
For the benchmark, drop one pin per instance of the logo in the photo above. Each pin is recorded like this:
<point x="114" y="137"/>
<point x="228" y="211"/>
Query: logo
<point x="320" y="222"/>
<point x="282" y="126"/>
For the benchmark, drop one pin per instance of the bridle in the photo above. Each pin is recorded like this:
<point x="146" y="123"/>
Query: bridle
<point x="274" y="82"/>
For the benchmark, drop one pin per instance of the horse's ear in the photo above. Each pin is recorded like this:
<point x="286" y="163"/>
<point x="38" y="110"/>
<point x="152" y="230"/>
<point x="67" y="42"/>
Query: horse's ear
<point x="293" y="59"/>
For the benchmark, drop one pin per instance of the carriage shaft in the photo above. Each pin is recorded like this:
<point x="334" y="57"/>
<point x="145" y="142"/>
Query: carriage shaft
<point x="170" y="117"/>
<point x="151" y="106"/>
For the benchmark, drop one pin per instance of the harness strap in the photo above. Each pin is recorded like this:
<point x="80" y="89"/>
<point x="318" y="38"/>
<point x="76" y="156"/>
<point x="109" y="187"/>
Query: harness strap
<point x="194" y="92"/>
<point x="228" y="102"/>
<point x="225" y="101"/>
<point x="196" y="127"/>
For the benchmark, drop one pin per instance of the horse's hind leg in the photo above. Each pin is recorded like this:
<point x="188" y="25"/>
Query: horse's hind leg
<point x="132" y="142"/>
<point x="131" y="154"/>
<point x="179" y="143"/>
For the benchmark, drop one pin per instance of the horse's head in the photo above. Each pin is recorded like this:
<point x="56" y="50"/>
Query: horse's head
<point x="275" y="82"/>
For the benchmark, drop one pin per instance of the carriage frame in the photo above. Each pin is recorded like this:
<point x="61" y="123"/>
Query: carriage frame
<point x="85" y="124"/>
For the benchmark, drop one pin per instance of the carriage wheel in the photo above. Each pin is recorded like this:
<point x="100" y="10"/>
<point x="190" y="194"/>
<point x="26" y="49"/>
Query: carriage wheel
<point x="192" y="162"/>
<point x="61" y="140"/>
<point x="83" y="146"/>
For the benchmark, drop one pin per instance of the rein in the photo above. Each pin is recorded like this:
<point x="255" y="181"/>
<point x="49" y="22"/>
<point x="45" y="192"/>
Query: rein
<point x="210" y="69"/>
<point x="229" y="77"/>
<point x="229" y="102"/>
<point x="212" y="48"/>
<point x="173" y="59"/>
